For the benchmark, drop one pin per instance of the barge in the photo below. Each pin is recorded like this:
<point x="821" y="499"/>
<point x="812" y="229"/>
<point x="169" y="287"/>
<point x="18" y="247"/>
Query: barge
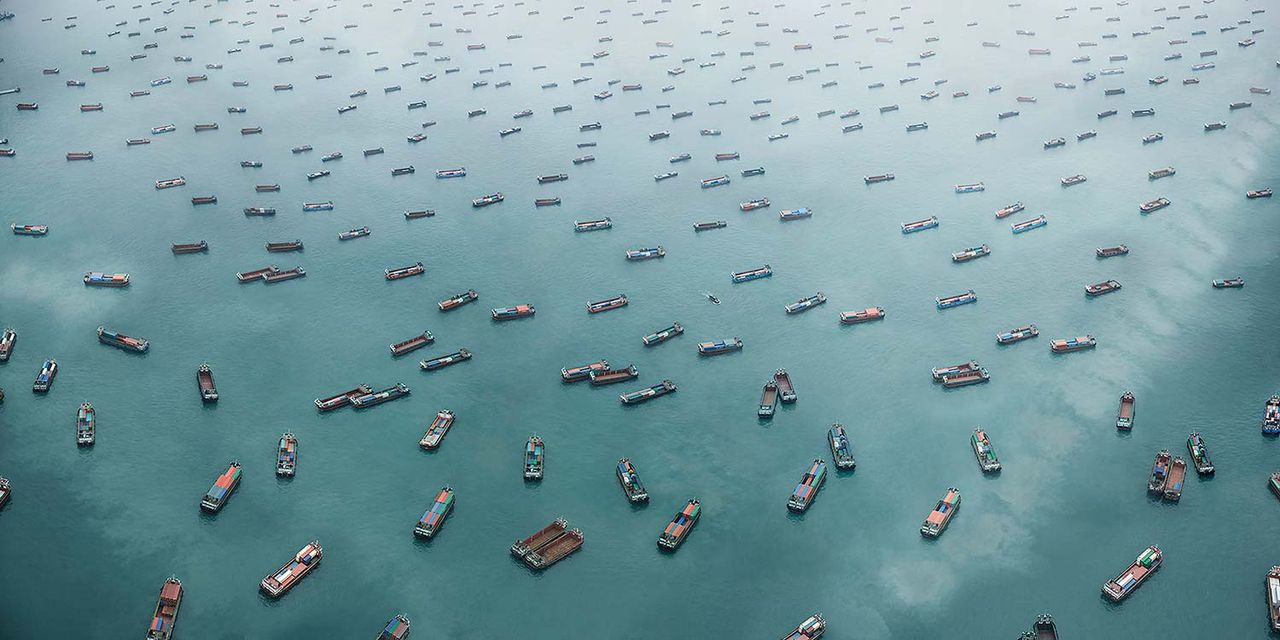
<point x="444" y="361"/>
<point x="512" y="313"/>
<point x="648" y="393"/>
<point x="807" y="490"/>
<point x="86" y="423"/>
<point x="841" y="450"/>
<point x="193" y="247"/>
<point x="119" y="340"/>
<point x="707" y="226"/>
<point x="222" y="489"/>
<point x="768" y="400"/>
<point x="343" y="399"/>
<point x="966" y="378"/>
<point x="965" y="255"/>
<point x="29" y="229"/>
<point x="1163" y="172"/>
<point x="287" y="455"/>
<point x="600" y="306"/>
<point x="1159" y="478"/>
<point x="1073" y="344"/>
<point x="1018" y="334"/>
<point x="646" y="254"/>
<point x="535" y="457"/>
<point x="415" y="269"/>
<point x="281" y="276"/>
<point x="1271" y="416"/>
<point x="1154" y="205"/>
<point x="412" y="344"/>
<point x="719" y="346"/>
<point x="352" y="234"/>
<point x="795" y="214"/>
<point x="1073" y="180"/>
<point x="555" y="551"/>
<point x="812" y="628"/>
<point x="7" y="339"/>
<point x="165" y="615"/>
<point x="987" y="460"/>
<point x="1124" y="416"/>
<point x="956" y="300"/>
<point x="297" y="568"/>
<point x="484" y="201"/>
<point x="539" y="539"/>
<point x="458" y="300"/>
<point x="752" y="274"/>
<point x="1199" y="454"/>
<point x="592" y="225"/>
<point x="752" y="205"/>
<point x="1101" y="288"/>
<point x="601" y="377"/>
<point x="941" y="372"/>
<point x="1177" y="476"/>
<point x="100" y="279"/>
<point x="583" y="372"/>
<point x="256" y="274"/>
<point x="1229" y="283"/>
<point x="439" y="428"/>
<point x="659" y="337"/>
<point x="261" y="211"/>
<point x="676" y="532"/>
<point x="630" y="481"/>
<point x="920" y="225"/>
<point x="1027" y="225"/>
<point x="1122" y="585"/>
<point x="1009" y="210"/>
<point x="366" y="400"/>
<point x="858" y="317"/>
<point x="805" y="304"/>
<point x="44" y="379"/>
<point x="397" y="628"/>
<point x="942" y="514"/>
<point x="786" y="390"/>
<point x="431" y="521"/>
<point x="284" y="247"/>
<point x="1111" y="252"/>
<point x="204" y="382"/>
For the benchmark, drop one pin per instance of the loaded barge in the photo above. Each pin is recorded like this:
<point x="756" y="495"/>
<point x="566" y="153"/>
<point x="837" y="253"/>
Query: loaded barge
<point x="1199" y="454"/>
<point x="342" y="399"/>
<point x="648" y="393"/>
<point x="858" y="317"/>
<point x="287" y="456"/>
<point x="807" y="490"/>
<point x="1159" y="473"/>
<point x="114" y="339"/>
<point x="399" y="390"/>
<point x="437" y="431"/>
<point x="166" y="613"/>
<point x="222" y="489"/>
<point x="412" y="344"/>
<point x="1017" y="334"/>
<point x="582" y="372"/>
<point x="942" y="514"/>
<point x="7" y="339"/>
<point x="805" y="304"/>
<point x="987" y="460"/>
<point x="1073" y="344"/>
<point x="600" y="377"/>
<point x="511" y="313"/>
<point x="615" y="302"/>
<point x="841" y="450"/>
<point x="676" y="532"/>
<point x="404" y="272"/>
<point x="535" y="458"/>
<point x="302" y="562"/>
<point x="44" y="379"/>
<point x="630" y="481"/>
<point x="719" y="346"/>
<point x="86" y="423"/>
<point x="1122" y="585"/>
<point x="659" y="337"/>
<point x="458" y="300"/>
<point x="956" y="300"/>
<point x="1271" y="416"/>
<point x="431" y="521"/>
<point x="812" y="628"/>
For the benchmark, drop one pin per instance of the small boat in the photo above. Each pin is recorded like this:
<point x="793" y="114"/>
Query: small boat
<point x="601" y="377"/>
<point x="1199" y="454"/>
<point x="353" y="233"/>
<point x="719" y="346"/>
<point x="222" y="489"/>
<point x="1126" y="581"/>
<point x="942" y="514"/>
<point x="648" y="393"/>
<point x="920" y="225"/>
<point x="858" y="317"/>
<point x="1271" y="416"/>
<point x="1027" y="225"/>
<point x="439" y="428"/>
<point x="805" y="304"/>
<point x="1159" y="473"/>
<point x="431" y="521"/>
<point x="397" y="273"/>
<point x="100" y="279"/>
<point x="1229" y="283"/>
<point x="752" y="274"/>
<point x="970" y="253"/>
<point x="285" y="578"/>
<point x="412" y="344"/>
<point x="659" y="337"/>
<point x="956" y="300"/>
<point x="85" y="425"/>
<point x="707" y="226"/>
<point x="287" y="456"/>
<point x="646" y="254"/>
<point x="807" y="490"/>
<point x="582" y="372"/>
<point x="458" y="300"/>
<point x="768" y="400"/>
<point x="397" y="628"/>
<point x="535" y="454"/>
<point x="511" y="313"/>
<point x="115" y="339"/>
<point x="987" y="460"/>
<point x="342" y="399"/>
<point x="676" y="532"/>
<point x="1101" y="288"/>
<point x="366" y="400"/>
<point x="1073" y="344"/>
<point x="605" y="305"/>
<point x="812" y="628"/>
<point x="1154" y="205"/>
<point x="444" y="361"/>
<point x="1009" y="210"/>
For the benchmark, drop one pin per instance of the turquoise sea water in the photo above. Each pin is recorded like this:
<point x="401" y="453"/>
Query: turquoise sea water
<point x="90" y="534"/>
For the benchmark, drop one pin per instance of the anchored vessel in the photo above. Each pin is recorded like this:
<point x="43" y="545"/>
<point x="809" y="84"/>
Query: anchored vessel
<point x="956" y="300"/>
<point x="404" y="272"/>
<point x="395" y="392"/>
<point x="1122" y="585"/>
<point x="437" y="431"/>
<point x="601" y="377"/>
<point x="1124" y="417"/>
<point x="812" y="628"/>
<point x="204" y="380"/>
<point x="939" y="373"/>
<point x="920" y="225"/>
<point x="511" y="313"/>
<point x="287" y="455"/>
<point x="444" y="361"/>
<point x="1102" y="288"/>
<point x="535" y="455"/>
<point x="648" y="393"/>
<point x="646" y="254"/>
<point x="841" y="450"/>
<point x="256" y="274"/>
<point x="1199" y="454"/>
<point x="707" y="226"/>
<point x="786" y="391"/>
<point x="582" y="372"/>
<point x="630" y="481"/>
<point x="1229" y="283"/>
<point x="768" y="400"/>
<point x="592" y="225"/>
<point x="431" y="521"/>
<point x="605" y="305"/>
<point x="397" y="628"/>
<point x="44" y="379"/>
<point x="29" y="229"/>
<point x="555" y="550"/>
<point x="100" y="279"/>
<point x="987" y="460"/>
<point x="676" y="532"/>
<point x="1108" y="252"/>
<point x="808" y="487"/>
<point x="1005" y="212"/>
<point x="166" y="612"/>
<point x="1159" y="473"/>
<point x="1017" y="334"/>
<point x="1271" y="416"/>
<point x="719" y="346"/>
<point x="964" y="255"/>
<point x="1177" y="475"/>
<point x="222" y="489"/>
<point x="942" y="514"/>
<point x="115" y="339"/>
<point x="795" y="214"/>
<point x="342" y="399"/>
<point x="1073" y="344"/>
<point x="85" y="424"/>
<point x="417" y="342"/>
<point x="539" y="539"/>
<point x="858" y="317"/>
<point x="659" y="337"/>
<point x="421" y="213"/>
<point x="807" y="303"/>
<point x="302" y="562"/>
<point x="7" y="338"/>
<point x="966" y="378"/>
<point x="194" y="247"/>
<point x="752" y="274"/>
<point x="1027" y="225"/>
<point x="458" y="300"/>
<point x="5" y="491"/>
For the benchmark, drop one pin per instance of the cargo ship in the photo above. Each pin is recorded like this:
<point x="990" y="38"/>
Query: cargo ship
<point x="353" y="233"/>
<point x="414" y="269"/>
<point x="858" y="317"/>
<point x="1027" y="225"/>
<point x="1124" y="417"/>
<point x="281" y="276"/>
<point x="431" y="521"/>
<point x="287" y="456"/>
<point x="412" y="344"/>
<point x="966" y="378"/>
<point x="1009" y="210"/>
<point x="805" y="304"/>
<point x="7" y="339"/>
<point x="302" y="562"/>
<point x="707" y="226"/>
<point x="648" y="393"/>
<point x="752" y="274"/>
<point x="1271" y="416"/>
<point x="1017" y="334"/>
<point x="649" y="253"/>
<point x="964" y="255"/>
<point x="807" y="490"/>
<point x="615" y="302"/>
<point x="920" y="225"/>
<point x="1073" y="344"/>
<point x="1162" y="172"/>
<point x="439" y="428"/>
<point x="44" y="379"/>
<point x="795" y="214"/>
<point x="318" y="206"/>
<point x="458" y="300"/>
<point x="659" y="337"/>
<point x="939" y="373"/>
<point x="165" y="615"/>
<point x="204" y="381"/>
<point x="719" y="346"/>
<point x="583" y="372"/>
<point x="85" y="425"/>
<point x="676" y="532"/>
<point x="956" y="300"/>
<point x="811" y="629"/>
<point x="115" y="339"/>
<point x="768" y="400"/>
<point x="592" y="225"/>
<point x="1122" y="585"/>
<point x="1177" y="476"/>
<point x="539" y="539"/>
<point x="841" y="450"/>
<point x="1229" y="283"/>
<point x="1101" y="288"/>
<point x="222" y="489"/>
<point x="28" y="229"/>
<point x="100" y="279"/>
<point x="484" y="201"/>
<point x="511" y="313"/>
<point x="754" y="204"/>
<point x="630" y="481"/>
<point x="397" y="628"/>
<point x="942" y="514"/>
<point x="535" y="456"/>
<point x="600" y="377"/>
<point x="444" y="361"/>
<point x="715" y="182"/>
<point x="987" y="460"/>
<point x="366" y="400"/>
<point x="1109" y="252"/>
<point x="343" y="399"/>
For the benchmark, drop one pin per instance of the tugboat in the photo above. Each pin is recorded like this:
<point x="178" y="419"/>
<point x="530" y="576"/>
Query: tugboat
<point x="85" y="425"/>
<point x="1199" y="454"/>
<point x="808" y="487"/>
<point x="805" y="304"/>
<point x="44" y="379"/>
<point x="511" y="313"/>
<point x="942" y="514"/>
<point x="342" y="399"/>
<point x="444" y="361"/>
<point x="1109" y="252"/>
<point x="204" y="380"/>
<point x="659" y="337"/>
<point x="648" y="393"/>
<point x="964" y="255"/>
<point x="630" y="481"/>
<point x="1101" y="288"/>
<point x="956" y="300"/>
<point x="439" y="428"/>
<point x="222" y="489"/>
<point x="458" y="300"/>
<point x="412" y="344"/>
<point x="752" y="274"/>
<point x="1073" y="344"/>
<point x="1271" y="416"/>
<point x="811" y="629"/>
<point x="1122" y="585"/>
<point x="601" y="377"/>
<point x="397" y="273"/>
<point x="987" y="460"/>
<point x="768" y="400"/>
<point x="431" y="521"/>
<point x="1159" y="473"/>
<point x="302" y="562"/>
<point x="287" y="456"/>
<point x="114" y="339"/>
<point x="920" y="225"/>
<point x="858" y="317"/>
<point x="676" y="532"/>
<point x="1027" y="225"/>
<point x="166" y="613"/>
<point x="1124" y="417"/>
<point x="719" y="346"/>
<point x="7" y="339"/>
<point x="841" y="450"/>
<point x="1017" y="334"/>
<point x="1177" y="475"/>
<point x="1229" y="283"/>
<point x="583" y="372"/>
<point x="535" y="453"/>
<point x="399" y="390"/>
<point x="397" y="628"/>
<point x="600" y="306"/>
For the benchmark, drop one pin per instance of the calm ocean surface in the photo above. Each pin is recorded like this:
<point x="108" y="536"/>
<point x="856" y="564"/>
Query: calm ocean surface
<point x="91" y="533"/>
